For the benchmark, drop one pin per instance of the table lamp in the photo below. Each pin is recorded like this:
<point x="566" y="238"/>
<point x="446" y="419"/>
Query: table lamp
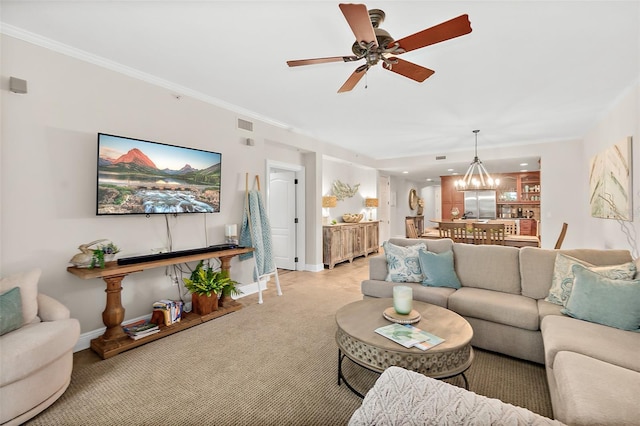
<point x="231" y="234"/>
<point x="328" y="202"/>
<point x="370" y="204"/>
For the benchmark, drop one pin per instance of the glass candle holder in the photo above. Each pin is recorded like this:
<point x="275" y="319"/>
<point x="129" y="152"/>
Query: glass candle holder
<point x="402" y="298"/>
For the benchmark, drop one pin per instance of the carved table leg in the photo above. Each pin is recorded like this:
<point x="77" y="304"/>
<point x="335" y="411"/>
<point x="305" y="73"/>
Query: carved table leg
<point x="225" y="264"/>
<point x="113" y="314"/>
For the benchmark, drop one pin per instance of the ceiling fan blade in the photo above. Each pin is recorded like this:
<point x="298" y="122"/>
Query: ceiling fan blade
<point x="409" y="69"/>
<point x="313" y="61"/>
<point x="452" y="28"/>
<point x="357" y="16"/>
<point x="353" y="79"/>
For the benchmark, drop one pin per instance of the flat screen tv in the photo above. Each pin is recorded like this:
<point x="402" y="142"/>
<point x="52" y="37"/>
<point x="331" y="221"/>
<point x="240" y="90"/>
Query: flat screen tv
<point x="143" y="177"/>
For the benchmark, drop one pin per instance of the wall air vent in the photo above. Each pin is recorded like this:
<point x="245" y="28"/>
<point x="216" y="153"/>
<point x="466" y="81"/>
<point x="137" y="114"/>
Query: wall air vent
<point x="245" y="125"/>
<point x="441" y="157"/>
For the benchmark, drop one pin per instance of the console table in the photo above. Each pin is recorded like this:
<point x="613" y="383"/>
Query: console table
<point x="115" y="340"/>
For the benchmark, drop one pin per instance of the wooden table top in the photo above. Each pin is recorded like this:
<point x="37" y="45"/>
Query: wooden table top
<point x="360" y="319"/>
<point x="509" y="239"/>
<point x="357" y="339"/>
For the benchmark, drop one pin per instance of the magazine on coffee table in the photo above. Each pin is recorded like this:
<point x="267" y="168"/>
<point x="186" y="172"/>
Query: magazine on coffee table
<point x="431" y="341"/>
<point x="408" y="336"/>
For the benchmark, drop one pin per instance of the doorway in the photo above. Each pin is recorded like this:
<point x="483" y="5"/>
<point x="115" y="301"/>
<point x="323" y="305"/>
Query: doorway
<point x="384" y="208"/>
<point x="285" y="205"/>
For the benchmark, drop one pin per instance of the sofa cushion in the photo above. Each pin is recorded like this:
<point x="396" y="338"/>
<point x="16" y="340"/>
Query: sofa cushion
<point x="434" y="295"/>
<point x="438" y="269"/>
<point x="28" y="283"/>
<point x="35" y="346"/>
<point x="488" y="267"/>
<point x="536" y="266"/>
<point x="547" y="308"/>
<point x="435" y="246"/>
<point x="596" y="298"/>
<point x="504" y="308"/>
<point x="562" y="333"/>
<point x="594" y="392"/>
<point x="10" y="310"/>
<point x="562" y="281"/>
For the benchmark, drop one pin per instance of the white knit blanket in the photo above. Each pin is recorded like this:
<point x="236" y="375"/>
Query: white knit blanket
<point x="402" y="397"/>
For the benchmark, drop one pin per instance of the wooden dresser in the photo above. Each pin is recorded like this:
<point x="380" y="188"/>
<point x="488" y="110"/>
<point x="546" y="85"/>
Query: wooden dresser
<point x="346" y="241"/>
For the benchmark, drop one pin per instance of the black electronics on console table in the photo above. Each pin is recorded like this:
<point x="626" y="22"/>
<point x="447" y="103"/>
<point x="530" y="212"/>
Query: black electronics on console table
<point x="172" y="254"/>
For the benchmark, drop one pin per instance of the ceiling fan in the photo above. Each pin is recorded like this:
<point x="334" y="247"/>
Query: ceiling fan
<point x="373" y="44"/>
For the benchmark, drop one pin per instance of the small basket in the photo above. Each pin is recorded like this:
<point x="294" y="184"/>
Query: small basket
<point x="352" y="218"/>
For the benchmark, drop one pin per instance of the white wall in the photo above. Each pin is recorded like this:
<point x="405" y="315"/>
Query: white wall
<point x="432" y="204"/>
<point x="562" y="191"/>
<point x="48" y="174"/>
<point x="401" y="187"/>
<point x="48" y="159"/>
<point x="622" y="120"/>
<point x="350" y="174"/>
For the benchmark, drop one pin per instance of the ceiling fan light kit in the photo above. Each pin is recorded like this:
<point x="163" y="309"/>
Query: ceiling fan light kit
<point x="477" y="177"/>
<point x="373" y="44"/>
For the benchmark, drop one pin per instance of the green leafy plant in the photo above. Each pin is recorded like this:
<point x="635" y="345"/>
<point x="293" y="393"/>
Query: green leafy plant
<point x="97" y="260"/>
<point x="231" y="289"/>
<point x="109" y="248"/>
<point x="205" y="281"/>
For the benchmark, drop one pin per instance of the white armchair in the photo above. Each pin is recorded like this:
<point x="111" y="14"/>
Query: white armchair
<point x="36" y="359"/>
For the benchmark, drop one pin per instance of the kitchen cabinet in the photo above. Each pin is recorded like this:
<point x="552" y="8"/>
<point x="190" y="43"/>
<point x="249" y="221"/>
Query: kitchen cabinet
<point x="528" y="227"/>
<point x="451" y="197"/>
<point x="519" y="188"/>
<point x="519" y="195"/>
<point x="346" y="241"/>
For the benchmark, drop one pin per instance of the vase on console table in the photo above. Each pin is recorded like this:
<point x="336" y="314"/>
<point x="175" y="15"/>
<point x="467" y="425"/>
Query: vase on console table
<point x="202" y="304"/>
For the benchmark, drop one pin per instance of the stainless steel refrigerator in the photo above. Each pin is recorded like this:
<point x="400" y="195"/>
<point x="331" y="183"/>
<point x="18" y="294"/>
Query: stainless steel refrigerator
<point x="480" y="204"/>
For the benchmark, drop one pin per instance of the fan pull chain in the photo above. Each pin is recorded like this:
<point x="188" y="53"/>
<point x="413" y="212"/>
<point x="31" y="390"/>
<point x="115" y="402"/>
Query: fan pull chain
<point x="366" y="80"/>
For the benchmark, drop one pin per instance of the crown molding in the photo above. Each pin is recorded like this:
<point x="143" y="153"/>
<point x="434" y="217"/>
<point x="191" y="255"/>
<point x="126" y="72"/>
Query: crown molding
<point x="85" y="56"/>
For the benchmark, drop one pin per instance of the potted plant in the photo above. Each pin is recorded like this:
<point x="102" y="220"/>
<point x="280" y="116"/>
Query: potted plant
<point x="205" y="284"/>
<point x="104" y="253"/>
<point x="229" y="289"/>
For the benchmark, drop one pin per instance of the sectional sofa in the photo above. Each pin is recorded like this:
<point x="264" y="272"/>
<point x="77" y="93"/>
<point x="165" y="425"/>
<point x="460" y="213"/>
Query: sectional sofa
<point x="593" y="370"/>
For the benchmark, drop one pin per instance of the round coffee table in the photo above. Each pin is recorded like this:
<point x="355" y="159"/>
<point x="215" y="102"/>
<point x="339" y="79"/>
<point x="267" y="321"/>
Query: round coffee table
<point x="358" y="341"/>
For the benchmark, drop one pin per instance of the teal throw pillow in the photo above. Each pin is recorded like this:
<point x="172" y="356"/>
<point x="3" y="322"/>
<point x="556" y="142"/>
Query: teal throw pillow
<point x="402" y="262"/>
<point x="603" y="300"/>
<point x="562" y="280"/>
<point x="10" y="310"/>
<point x="438" y="269"/>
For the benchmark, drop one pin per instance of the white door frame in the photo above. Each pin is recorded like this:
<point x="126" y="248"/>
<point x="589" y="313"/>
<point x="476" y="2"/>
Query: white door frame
<point x="300" y="202"/>
<point x="384" y="208"/>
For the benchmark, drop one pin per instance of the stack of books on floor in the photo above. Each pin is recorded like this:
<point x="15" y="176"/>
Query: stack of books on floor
<point x="139" y="329"/>
<point x="171" y="311"/>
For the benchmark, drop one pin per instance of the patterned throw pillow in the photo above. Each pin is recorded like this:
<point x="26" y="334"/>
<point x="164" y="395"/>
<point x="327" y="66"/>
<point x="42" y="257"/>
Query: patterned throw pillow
<point x="563" y="276"/>
<point x="403" y="263"/>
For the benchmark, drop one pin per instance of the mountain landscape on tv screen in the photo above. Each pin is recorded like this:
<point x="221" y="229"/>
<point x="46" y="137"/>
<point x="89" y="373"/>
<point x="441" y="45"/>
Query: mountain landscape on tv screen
<point x="132" y="183"/>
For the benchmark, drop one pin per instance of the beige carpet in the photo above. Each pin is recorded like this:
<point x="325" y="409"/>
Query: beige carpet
<point x="269" y="364"/>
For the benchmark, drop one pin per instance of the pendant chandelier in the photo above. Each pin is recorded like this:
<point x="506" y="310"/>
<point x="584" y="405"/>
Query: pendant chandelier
<point x="477" y="176"/>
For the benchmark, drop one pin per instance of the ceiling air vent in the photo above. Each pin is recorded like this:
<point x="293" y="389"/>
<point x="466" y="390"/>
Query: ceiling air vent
<point x="441" y="157"/>
<point x="245" y="125"/>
